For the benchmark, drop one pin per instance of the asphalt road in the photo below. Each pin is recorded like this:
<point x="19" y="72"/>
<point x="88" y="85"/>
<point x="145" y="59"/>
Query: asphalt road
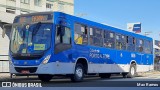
<point x="91" y="83"/>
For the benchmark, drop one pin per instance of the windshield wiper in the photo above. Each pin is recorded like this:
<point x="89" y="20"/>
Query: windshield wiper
<point x="35" y="30"/>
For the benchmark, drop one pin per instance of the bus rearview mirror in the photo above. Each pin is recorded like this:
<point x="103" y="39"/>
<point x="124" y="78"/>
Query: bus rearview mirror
<point x="5" y="29"/>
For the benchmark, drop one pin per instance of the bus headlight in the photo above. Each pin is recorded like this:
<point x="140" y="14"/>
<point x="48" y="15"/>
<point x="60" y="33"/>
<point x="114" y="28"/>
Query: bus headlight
<point x="45" y="61"/>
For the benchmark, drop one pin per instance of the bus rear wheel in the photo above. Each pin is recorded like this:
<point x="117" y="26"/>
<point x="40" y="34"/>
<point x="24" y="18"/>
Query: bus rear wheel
<point x="45" y="77"/>
<point x="78" y="73"/>
<point x="105" y="75"/>
<point x="132" y="72"/>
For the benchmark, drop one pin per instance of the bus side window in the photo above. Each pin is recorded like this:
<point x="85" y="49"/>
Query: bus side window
<point x="109" y="40"/>
<point x="120" y="42"/>
<point x="96" y="37"/>
<point x="80" y="34"/>
<point x="139" y="45"/>
<point x="67" y="36"/>
<point x="130" y="43"/>
<point x="147" y="47"/>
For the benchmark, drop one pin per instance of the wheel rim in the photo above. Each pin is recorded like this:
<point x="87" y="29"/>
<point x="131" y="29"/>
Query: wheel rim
<point x="79" y="72"/>
<point x="132" y="71"/>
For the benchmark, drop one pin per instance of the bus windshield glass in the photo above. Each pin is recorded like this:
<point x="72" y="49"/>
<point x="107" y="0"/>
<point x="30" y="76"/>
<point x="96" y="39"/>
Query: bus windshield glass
<point x="30" y="38"/>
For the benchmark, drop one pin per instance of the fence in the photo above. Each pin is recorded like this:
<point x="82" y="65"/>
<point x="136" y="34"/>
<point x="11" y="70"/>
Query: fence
<point x="4" y="64"/>
<point x="157" y="67"/>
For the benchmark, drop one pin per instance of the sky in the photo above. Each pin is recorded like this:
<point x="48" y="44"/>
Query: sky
<point x="118" y="13"/>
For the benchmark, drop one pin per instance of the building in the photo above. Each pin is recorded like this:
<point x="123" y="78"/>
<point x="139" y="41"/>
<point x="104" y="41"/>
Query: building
<point x="157" y="51"/>
<point x="11" y="8"/>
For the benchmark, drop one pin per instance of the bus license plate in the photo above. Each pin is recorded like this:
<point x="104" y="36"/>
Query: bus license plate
<point x="24" y="71"/>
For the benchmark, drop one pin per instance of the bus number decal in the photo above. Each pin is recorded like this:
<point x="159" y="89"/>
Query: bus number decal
<point x="133" y="55"/>
<point x="94" y="53"/>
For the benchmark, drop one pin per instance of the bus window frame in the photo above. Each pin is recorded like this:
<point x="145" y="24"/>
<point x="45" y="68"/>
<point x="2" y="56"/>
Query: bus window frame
<point x="106" y="38"/>
<point x="119" y="41"/>
<point x="101" y="32"/>
<point x="87" y="35"/>
<point x="63" y="48"/>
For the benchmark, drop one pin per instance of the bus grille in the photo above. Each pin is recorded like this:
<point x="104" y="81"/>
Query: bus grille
<point x="30" y="69"/>
<point x="27" y="58"/>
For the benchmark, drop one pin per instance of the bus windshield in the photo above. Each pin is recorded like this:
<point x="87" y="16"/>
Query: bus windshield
<point x="30" y="38"/>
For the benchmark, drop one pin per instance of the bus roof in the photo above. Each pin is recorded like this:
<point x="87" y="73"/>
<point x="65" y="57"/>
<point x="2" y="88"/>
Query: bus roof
<point x="105" y="27"/>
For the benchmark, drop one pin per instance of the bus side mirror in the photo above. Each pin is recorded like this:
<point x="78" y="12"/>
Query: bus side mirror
<point x="4" y="32"/>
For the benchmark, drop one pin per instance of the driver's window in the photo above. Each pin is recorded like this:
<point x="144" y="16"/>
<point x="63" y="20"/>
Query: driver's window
<point x="67" y="36"/>
<point x="63" y="35"/>
<point x="57" y="38"/>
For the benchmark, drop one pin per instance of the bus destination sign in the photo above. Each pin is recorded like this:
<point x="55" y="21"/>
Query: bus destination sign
<point x="34" y="18"/>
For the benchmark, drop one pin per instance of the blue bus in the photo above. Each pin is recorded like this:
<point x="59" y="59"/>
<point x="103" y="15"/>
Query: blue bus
<point x="54" y="43"/>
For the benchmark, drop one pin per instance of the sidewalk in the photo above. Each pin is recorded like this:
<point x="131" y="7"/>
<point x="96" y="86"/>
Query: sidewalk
<point x="4" y="75"/>
<point x="148" y="74"/>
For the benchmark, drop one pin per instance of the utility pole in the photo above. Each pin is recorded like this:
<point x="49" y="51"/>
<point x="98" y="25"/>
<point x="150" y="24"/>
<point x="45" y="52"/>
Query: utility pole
<point x="147" y="33"/>
<point x="81" y="14"/>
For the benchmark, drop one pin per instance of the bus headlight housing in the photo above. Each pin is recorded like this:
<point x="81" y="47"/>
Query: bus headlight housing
<point x="45" y="61"/>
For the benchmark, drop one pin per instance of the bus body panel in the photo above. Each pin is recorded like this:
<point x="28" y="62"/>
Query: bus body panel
<point x="99" y="59"/>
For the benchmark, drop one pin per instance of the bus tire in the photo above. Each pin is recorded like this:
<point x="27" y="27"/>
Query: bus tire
<point x="45" y="77"/>
<point x="78" y="73"/>
<point x="105" y="75"/>
<point x="132" y="71"/>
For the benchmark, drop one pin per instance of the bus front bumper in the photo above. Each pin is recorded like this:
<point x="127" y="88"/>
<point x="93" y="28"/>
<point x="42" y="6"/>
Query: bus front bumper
<point x="49" y="68"/>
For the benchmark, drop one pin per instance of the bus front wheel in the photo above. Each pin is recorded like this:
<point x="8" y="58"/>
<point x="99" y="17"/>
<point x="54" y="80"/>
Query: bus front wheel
<point x="78" y="73"/>
<point x="45" y="77"/>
